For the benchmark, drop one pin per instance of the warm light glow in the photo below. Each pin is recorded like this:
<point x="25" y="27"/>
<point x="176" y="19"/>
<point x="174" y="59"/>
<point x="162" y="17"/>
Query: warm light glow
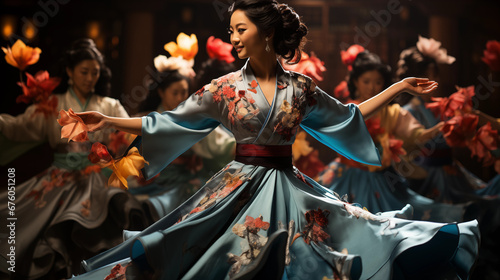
<point x="187" y="15"/>
<point x="115" y="40"/>
<point x="8" y="25"/>
<point x="29" y="31"/>
<point x="99" y="42"/>
<point x="93" y="29"/>
<point x="7" y="30"/>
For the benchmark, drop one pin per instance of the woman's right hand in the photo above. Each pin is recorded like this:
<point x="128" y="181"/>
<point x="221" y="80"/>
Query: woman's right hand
<point x="94" y="121"/>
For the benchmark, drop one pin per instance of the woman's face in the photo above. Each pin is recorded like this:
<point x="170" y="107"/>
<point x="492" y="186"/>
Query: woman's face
<point x="245" y="36"/>
<point x="369" y="84"/>
<point x="174" y="94"/>
<point x="85" y="76"/>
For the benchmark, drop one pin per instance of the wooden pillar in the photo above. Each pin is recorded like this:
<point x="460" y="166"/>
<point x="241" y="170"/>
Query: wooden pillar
<point x="444" y="29"/>
<point x="138" y="58"/>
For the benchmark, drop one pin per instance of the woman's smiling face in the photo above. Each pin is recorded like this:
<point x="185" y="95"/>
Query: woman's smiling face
<point x="245" y="36"/>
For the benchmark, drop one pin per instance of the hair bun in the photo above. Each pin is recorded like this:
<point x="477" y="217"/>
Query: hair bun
<point x="84" y="43"/>
<point x="292" y="34"/>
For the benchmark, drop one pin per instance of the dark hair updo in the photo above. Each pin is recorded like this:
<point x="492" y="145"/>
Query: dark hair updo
<point x="160" y="81"/>
<point x="268" y="16"/>
<point x="412" y="63"/>
<point x="366" y="61"/>
<point x="80" y="50"/>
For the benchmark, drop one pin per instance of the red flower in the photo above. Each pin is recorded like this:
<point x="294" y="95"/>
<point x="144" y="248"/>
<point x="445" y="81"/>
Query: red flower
<point x="200" y="91"/>
<point x="47" y="107"/>
<point x="216" y="97"/>
<point x="117" y="272"/>
<point x="491" y="55"/>
<point x="254" y="225"/>
<point x="228" y="91"/>
<point x="374" y="127"/>
<point x="196" y="210"/>
<point x="310" y="164"/>
<point x="219" y="50"/>
<point x="253" y="84"/>
<point x="396" y="148"/>
<point x="349" y="56"/>
<point x="459" y="130"/>
<point x="99" y="155"/>
<point x="91" y="169"/>
<point x="317" y="216"/>
<point x="447" y="107"/>
<point x="310" y="66"/>
<point x="37" y="88"/>
<point x="483" y="142"/>
<point x="316" y="221"/>
<point x="241" y="93"/>
<point x="118" y="140"/>
<point x="341" y="91"/>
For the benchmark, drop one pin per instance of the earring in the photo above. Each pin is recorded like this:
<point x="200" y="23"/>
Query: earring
<point x="70" y="81"/>
<point x="267" y="45"/>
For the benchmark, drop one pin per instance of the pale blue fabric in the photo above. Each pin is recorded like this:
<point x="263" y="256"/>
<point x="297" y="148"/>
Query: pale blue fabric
<point x="206" y="244"/>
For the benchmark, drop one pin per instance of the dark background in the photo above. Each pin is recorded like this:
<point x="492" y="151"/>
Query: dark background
<point x="131" y="33"/>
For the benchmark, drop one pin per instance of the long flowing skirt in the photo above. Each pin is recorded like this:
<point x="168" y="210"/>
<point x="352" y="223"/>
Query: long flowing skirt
<point x="63" y="217"/>
<point x="253" y="222"/>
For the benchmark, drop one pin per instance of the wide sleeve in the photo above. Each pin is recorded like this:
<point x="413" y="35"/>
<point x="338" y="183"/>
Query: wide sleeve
<point x="407" y="127"/>
<point x="26" y="127"/>
<point x="167" y="135"/>
<point x="118" y="110"/>
<point x="340" y="127"/>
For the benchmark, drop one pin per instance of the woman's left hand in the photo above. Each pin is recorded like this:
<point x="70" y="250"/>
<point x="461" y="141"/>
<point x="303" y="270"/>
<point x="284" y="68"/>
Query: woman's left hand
<point x="419" y="86"/>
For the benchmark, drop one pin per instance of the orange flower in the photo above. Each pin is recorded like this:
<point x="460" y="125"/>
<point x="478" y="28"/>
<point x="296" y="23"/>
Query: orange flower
<point x="125" y="167"/>
<point x="219" y="50"/>
<point x="73" y="126"/>
<point x="20" y="55"/>
<point x="186" y="46"/>
<point x="255" y="225"/>
<point x="37" y="88"/>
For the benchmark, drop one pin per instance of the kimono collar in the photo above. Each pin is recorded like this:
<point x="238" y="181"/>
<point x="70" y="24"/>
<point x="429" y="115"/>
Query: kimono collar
<point x="83" y="107"/>
<point x="247" y="70"/>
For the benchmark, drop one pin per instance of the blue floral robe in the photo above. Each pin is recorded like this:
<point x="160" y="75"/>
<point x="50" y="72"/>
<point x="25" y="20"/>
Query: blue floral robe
<point x="253" y="222"/>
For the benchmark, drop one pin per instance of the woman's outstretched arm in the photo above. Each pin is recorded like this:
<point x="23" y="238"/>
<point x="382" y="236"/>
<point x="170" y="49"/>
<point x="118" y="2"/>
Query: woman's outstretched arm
<point x="414" y="86"/>
<point x="96" y="121"/>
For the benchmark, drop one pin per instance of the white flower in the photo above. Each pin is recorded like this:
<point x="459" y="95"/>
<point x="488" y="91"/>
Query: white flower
<point x="185" y="67"/>
<point x="432" y="48"/>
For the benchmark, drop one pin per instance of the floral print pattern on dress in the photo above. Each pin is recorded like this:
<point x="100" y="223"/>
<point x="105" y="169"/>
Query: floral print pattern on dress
<point x="240" y="105"/>
<point x="253" y="245"/>
<point x="317" y="221"/>
<point x="229" y="183"/>
<point x="290" y="115"/>
<point x="58" y="178"/>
